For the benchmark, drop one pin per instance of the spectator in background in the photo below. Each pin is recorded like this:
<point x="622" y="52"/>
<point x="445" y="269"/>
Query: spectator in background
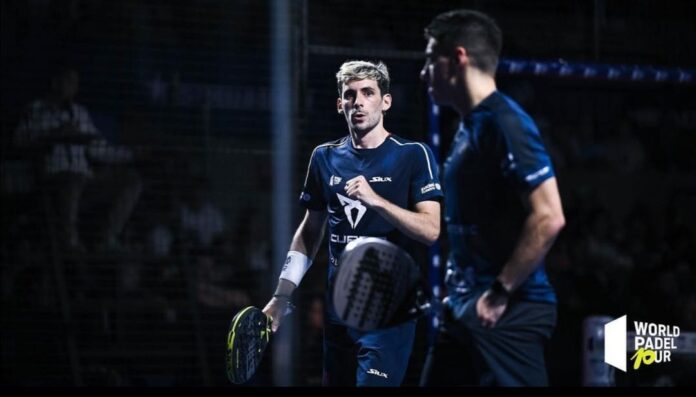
<point x="68" y="145"/>
<point x="202" y="221"/>
<point x="204" y="238"/>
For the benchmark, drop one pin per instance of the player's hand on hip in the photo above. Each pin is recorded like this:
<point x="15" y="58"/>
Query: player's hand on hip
<point x="359" y="188"/>
<point x="276" y="309"/>
<point x="490" y="307"/>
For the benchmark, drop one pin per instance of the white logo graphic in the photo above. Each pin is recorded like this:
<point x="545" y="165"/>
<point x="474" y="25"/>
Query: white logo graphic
<point x="652" y="343"/>
<point x="373" y="371"/>
<point x="375" y="179"/>
<point x="430" y="187"/>
<point x="334" y="180"/>
<point x="537" y="174"/>
<point x="615" y="343"/>
<point x="335" y="238"/>
<point x="348" y="206"/>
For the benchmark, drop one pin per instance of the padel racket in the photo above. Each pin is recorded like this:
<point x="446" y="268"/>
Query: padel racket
<point x="249" y="334"/>
<point x="376" y="284"/>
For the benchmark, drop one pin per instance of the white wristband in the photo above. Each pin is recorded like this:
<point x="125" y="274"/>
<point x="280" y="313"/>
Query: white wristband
<point x="296" y="265"/>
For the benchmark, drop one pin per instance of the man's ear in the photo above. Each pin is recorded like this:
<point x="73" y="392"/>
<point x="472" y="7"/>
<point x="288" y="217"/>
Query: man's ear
<point x="461" y="56"/>
<point x="386" y="102"/>
<point x="339" y="105"/>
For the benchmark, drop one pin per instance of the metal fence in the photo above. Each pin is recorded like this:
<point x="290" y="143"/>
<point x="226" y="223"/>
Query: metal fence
<point x="186" y="87"/>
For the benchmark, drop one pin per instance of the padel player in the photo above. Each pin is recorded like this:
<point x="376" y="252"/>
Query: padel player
<point x="368" y="183"/>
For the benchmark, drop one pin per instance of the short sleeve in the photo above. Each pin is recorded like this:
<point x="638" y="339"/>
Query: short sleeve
<point x="522" y="156"/>
<point x="425" y="181"/>
<point x="312" y="196"/>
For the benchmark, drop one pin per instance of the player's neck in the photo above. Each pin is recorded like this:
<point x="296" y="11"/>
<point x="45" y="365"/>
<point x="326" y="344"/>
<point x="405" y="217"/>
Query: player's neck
<point x="370" y="139"/>
<point x="479" y="86"/>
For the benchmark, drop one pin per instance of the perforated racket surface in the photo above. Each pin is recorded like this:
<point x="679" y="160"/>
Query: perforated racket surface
<point x="248" y="336"/>
<point x="374" y="279"/>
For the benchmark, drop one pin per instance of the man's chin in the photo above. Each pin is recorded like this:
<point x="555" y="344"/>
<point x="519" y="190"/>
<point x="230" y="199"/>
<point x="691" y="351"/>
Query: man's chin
<point x="358" y="131"/>
<point x="361" y="128"/>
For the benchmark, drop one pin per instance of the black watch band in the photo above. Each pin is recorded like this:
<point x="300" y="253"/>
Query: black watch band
<point x="499" y="289"/>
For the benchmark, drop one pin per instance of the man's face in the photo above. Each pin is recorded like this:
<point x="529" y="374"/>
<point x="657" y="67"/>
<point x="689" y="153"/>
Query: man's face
<point x="436" y="74"/>
<point x="362" y="104"/>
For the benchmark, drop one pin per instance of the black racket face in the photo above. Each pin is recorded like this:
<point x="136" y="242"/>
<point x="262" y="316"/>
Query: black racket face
<point x="374" y="278"/>
<point x="247" y="339"/>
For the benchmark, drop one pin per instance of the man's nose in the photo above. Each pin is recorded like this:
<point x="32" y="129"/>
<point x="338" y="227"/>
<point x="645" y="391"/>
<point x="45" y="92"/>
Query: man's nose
<point x="358" y="101"/>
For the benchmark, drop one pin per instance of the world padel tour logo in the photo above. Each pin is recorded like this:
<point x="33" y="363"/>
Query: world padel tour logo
<point x="653" y="343"/>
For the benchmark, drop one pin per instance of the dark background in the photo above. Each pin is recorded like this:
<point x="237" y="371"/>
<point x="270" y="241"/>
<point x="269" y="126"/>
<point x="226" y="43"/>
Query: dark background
<point x="187" y="85"/>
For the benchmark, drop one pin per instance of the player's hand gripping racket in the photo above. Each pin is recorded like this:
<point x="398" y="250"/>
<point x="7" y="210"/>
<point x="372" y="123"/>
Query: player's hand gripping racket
<point x="249" y="334"/>
<point x="377" y="285"/>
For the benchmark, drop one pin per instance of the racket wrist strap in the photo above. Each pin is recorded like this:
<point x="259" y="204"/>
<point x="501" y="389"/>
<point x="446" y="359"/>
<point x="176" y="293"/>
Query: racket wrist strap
<point x="296" y="265"/>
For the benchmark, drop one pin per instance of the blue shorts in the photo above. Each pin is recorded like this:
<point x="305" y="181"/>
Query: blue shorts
<point x="367" y="358"/>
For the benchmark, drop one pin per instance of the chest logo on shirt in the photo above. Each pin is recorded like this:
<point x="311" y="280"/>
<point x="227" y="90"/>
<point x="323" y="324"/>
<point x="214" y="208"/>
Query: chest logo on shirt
<point x="375" y="179"/>
<point x="348" y="207"/>
<point x="334" y="180"/>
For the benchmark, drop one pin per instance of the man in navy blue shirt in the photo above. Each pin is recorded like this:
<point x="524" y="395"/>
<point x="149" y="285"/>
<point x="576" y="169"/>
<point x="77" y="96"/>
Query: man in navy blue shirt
<point x="502" y="212"/>
<point x="369" y="183"/>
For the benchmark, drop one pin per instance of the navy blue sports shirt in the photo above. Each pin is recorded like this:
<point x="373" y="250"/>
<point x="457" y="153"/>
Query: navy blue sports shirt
<point x="497" y="156"/>
<point x="401" y="171"/>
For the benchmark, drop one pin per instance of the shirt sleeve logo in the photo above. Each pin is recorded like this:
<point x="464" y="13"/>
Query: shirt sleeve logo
<point x="430" y="187"/>
<point x="538" y="174"/>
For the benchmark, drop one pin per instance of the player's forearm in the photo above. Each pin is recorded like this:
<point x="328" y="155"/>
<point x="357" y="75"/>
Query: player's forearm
<point x="304" y="246"/>
<point x="308" y="238"/>
<point x="420" y="226"/>
<point x="538" y="235"/>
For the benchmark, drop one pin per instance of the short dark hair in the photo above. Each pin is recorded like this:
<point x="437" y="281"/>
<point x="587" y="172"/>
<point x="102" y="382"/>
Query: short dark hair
<point x="473" y="30"/>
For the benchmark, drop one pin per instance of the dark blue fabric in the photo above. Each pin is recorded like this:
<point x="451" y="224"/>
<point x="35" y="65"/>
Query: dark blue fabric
<point x="404" y="173"/>
<point x="509" y="354"/>
<point x="399" y="170"/>
<point x="497" y="157"/>
<point x="382" y="355"/>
